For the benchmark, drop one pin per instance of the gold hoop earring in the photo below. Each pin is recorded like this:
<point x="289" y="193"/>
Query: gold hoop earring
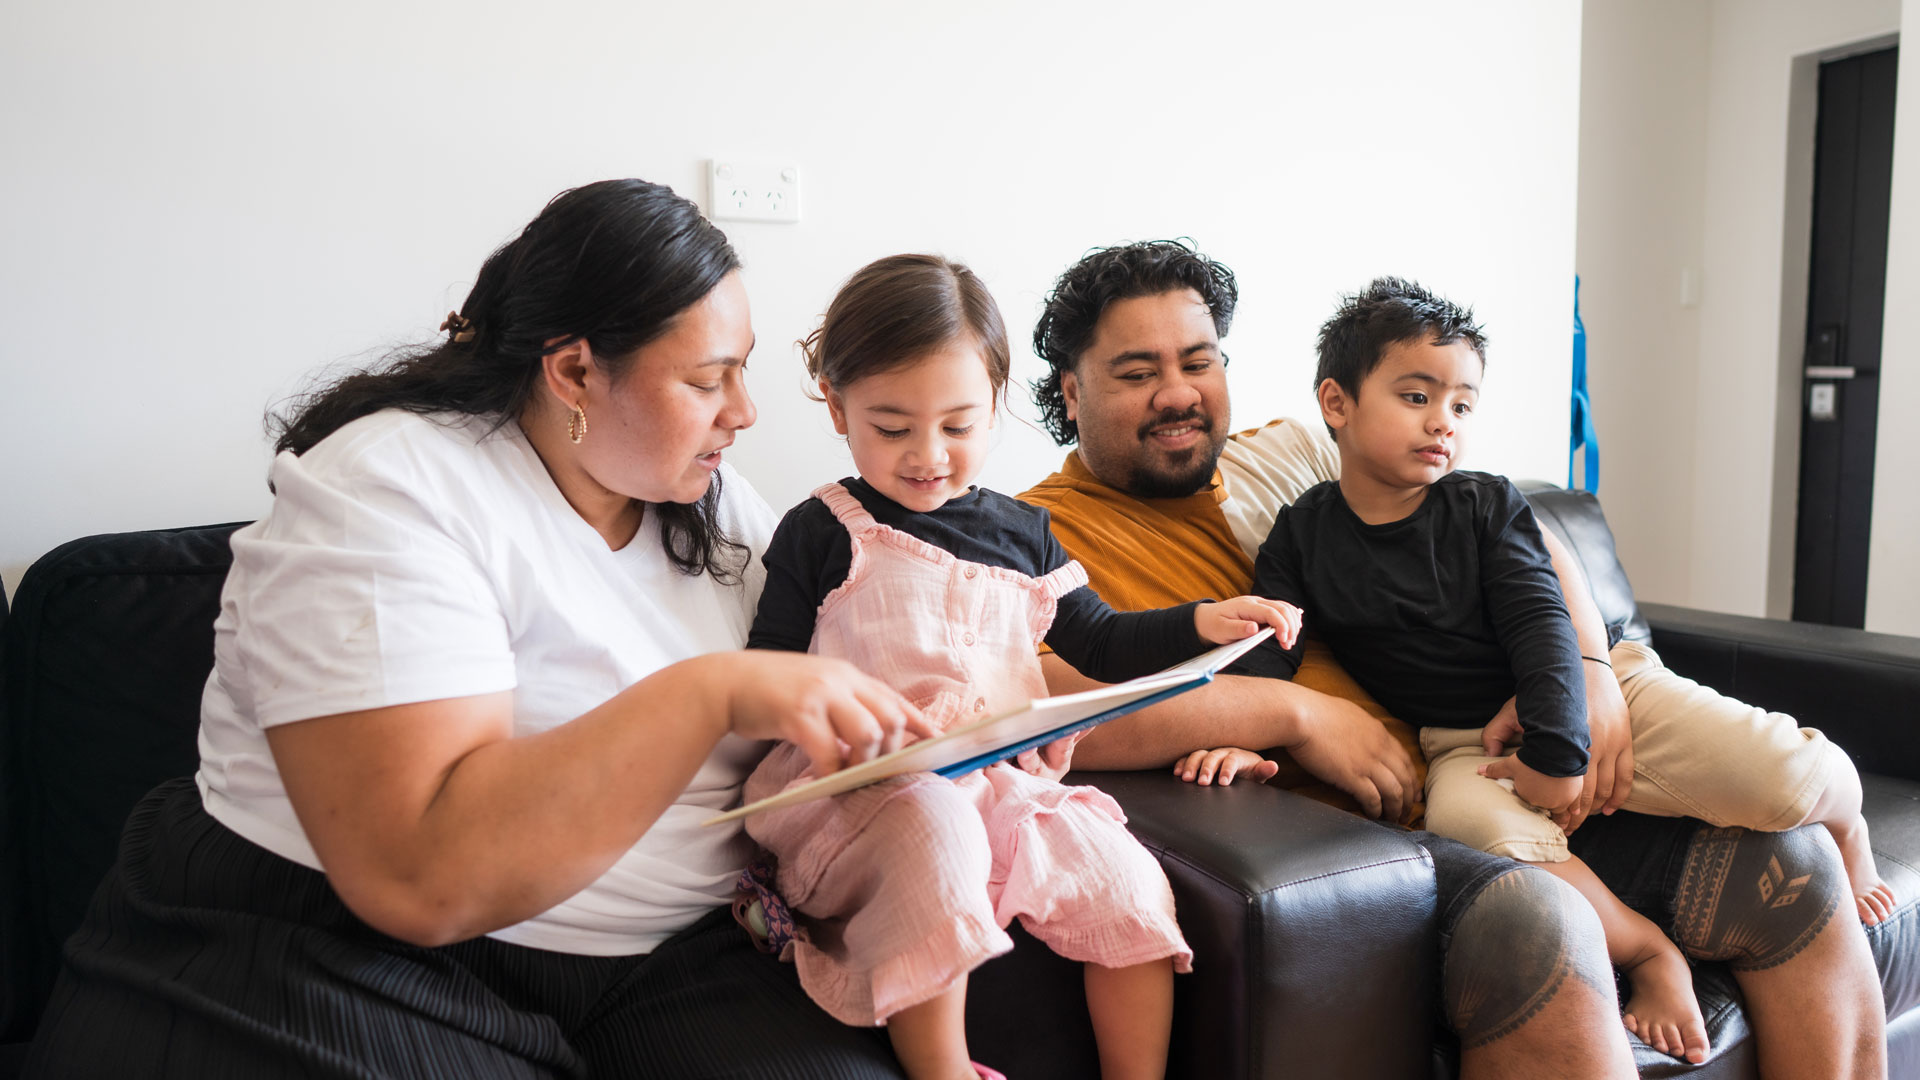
<point x="577" y="424"/>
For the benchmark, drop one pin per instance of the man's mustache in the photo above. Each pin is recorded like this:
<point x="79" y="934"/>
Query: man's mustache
<point x="1167" y="418"/>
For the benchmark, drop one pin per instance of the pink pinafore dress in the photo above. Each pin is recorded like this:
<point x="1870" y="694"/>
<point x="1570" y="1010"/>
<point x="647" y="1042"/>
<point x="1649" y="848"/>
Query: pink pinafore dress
<point x="904" y="886"/>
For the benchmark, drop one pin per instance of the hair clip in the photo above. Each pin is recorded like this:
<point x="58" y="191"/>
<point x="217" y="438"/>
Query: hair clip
<point x="459" y="326"/>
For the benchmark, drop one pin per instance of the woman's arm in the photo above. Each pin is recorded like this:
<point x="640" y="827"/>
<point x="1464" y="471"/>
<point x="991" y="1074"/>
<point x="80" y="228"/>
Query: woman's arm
<point x="435" y="825"/>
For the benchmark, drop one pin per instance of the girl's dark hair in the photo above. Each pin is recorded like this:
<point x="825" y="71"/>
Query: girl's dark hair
<point x="612" y="264"/>
<point x="897" y="309"/>
<point x="1103" y="275"/>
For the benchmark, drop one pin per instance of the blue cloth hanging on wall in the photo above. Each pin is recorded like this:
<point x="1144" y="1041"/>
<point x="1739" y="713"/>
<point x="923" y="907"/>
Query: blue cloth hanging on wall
<point x="1583" y="433"/>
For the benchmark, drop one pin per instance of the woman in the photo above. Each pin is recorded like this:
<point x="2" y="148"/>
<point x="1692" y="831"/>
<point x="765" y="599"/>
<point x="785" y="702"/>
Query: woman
<point x="473" y="693"/>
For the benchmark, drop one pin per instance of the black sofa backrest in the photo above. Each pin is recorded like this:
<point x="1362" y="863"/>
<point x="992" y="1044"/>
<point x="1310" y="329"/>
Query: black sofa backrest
<point x="106" y="653"/>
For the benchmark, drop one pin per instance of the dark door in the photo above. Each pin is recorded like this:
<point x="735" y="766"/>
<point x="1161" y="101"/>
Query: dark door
<point x="1840" y="394"/>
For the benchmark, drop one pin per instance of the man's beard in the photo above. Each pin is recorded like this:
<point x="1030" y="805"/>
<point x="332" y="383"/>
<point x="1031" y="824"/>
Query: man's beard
<point x="1186" y="472"/>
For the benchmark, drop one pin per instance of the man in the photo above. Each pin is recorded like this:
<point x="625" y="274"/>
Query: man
<point x="1161" y="506"/>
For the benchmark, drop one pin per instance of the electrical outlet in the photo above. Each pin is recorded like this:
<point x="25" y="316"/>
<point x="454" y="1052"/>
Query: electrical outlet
<point x="742" y="191"/>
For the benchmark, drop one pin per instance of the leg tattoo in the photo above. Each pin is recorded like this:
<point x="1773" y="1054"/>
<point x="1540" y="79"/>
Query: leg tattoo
<point x="1513" y="951"/>
<point x="1756" y="900"/>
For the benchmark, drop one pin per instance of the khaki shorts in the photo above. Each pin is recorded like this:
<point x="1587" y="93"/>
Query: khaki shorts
<point x="1696" y="753"/>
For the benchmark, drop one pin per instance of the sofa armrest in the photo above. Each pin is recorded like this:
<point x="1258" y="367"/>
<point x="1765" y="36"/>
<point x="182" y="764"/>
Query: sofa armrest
<point x="1313" y="931"/>
<point x="1857" y="687"/>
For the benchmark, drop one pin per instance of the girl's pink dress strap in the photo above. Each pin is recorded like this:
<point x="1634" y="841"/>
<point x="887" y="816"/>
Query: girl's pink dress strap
<point x="846" y="509"/>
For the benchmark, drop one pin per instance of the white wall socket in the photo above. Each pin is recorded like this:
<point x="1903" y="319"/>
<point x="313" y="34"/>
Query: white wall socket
<point x="742" y="191"/>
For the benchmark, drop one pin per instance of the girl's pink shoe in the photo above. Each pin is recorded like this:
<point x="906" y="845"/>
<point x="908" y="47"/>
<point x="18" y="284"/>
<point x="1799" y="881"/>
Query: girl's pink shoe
<point x="986" y="1073"/>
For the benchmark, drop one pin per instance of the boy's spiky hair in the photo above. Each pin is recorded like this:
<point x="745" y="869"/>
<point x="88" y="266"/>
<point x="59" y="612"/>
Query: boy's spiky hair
<point x="1388" y="312"/>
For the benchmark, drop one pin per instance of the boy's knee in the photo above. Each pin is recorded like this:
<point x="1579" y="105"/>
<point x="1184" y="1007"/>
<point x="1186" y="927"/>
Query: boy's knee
<point x="1498" y="826"/>
<point x="1756" y="900"/>
<point x="1524" y="939"/>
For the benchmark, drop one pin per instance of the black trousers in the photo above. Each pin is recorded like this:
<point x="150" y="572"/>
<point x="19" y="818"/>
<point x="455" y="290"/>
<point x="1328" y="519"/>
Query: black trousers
<point x="206" y="956"/>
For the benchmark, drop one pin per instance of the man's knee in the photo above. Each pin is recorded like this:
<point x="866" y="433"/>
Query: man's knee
<point x="1756" y="900"/>
<point x="1524" y="940"/>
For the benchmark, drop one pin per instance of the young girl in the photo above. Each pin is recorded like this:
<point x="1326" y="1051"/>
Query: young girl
<point x="944" y="590"/>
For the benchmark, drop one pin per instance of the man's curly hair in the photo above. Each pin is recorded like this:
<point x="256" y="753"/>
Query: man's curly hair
<point x="1073" y="309"/>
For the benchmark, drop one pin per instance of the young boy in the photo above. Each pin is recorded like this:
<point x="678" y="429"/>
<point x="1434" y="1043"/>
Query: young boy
<point x="1434" y="588"/>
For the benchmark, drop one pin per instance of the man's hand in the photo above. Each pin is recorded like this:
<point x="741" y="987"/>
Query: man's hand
<point x="1610" y="758"/>
<point x="1226" y="762"/>
<point x="1341" y="744"/>
<point x="1554" y="794"/>
<point x="1610" y="765"/>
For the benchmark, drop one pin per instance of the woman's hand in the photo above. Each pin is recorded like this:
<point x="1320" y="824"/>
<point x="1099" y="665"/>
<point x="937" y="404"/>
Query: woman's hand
<point x="836" y="713"/>
<point x="1230" y="620"/>
<point x="1226" y="762"/>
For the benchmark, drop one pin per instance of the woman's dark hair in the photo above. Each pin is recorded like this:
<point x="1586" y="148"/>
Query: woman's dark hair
<point x="1102" y="276"/>
<point x="895" y="310"/>
<point x="1389" y="311"/>
<point x="612" y="264"/>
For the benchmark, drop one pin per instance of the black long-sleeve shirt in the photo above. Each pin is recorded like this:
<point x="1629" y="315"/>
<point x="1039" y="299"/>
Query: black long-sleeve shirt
<point x="811" y="553"/>
<point x="1441" y="616"/>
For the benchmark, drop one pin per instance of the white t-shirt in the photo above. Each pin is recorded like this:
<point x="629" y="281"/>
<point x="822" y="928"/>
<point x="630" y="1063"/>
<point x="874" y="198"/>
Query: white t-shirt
<point x="410" y="559"/>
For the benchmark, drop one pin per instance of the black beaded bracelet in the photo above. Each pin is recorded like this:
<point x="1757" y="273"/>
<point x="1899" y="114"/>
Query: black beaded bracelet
<point x="1596" y="660"/>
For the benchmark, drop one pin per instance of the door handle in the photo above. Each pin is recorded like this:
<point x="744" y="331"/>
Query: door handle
<point x="1819" y="372"/>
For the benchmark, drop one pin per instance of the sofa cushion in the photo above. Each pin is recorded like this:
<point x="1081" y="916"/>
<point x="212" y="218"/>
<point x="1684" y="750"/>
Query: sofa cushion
<point x="107" y="652"/>
<point x="1312" y="930"/>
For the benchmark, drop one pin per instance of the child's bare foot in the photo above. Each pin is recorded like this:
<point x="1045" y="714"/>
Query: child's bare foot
<point x="1870" y="894"/>
<point x="1662" y="1010"/>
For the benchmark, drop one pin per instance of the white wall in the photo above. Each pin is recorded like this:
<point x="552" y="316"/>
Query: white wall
<point x="1893" y="562"/>
<point x="202" y="202"/>
<point x="1696" y="149"/>
<point x="1643" y="120"/>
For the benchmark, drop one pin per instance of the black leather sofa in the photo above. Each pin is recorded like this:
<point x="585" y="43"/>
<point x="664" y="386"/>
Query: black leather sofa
<point x="1313" y="929"/>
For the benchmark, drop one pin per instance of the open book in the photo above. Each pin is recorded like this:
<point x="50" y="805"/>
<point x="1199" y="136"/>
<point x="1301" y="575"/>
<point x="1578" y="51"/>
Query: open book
<point x="961" y="749"/>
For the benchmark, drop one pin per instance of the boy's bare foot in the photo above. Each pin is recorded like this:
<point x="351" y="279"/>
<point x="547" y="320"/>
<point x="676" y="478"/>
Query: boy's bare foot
<point x="1870" y="894"/>
<point x="1662" y="1010"/>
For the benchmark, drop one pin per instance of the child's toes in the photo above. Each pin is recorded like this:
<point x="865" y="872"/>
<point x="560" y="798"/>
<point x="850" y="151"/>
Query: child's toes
<point x="1876" y="905"/>
<point x="1655" y="1036"/>
<point x="1695" y="1034"/>
<point x="1868" y="914"/>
